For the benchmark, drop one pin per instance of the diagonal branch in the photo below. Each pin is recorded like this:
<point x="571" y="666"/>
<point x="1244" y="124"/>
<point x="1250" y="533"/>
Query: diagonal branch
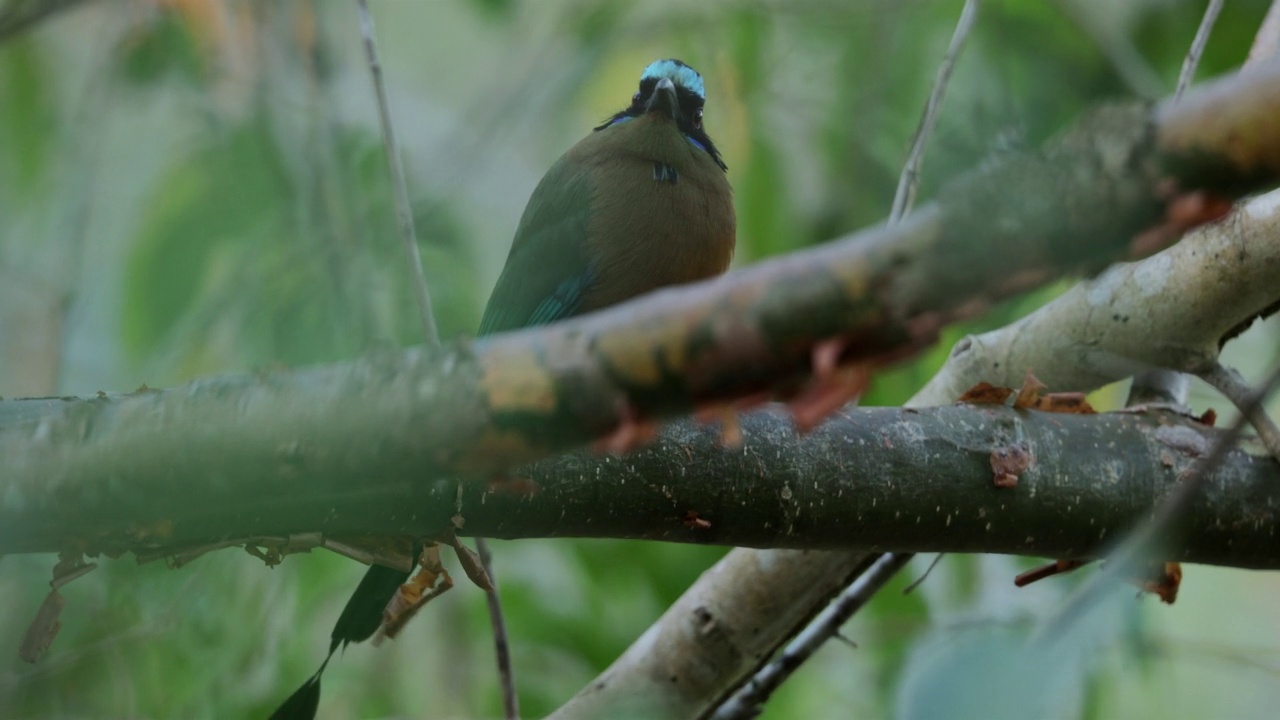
<point x="905" y="196"/>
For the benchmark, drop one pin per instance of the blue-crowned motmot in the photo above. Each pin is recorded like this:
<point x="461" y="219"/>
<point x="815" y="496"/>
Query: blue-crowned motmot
<point x="640" y="203"/>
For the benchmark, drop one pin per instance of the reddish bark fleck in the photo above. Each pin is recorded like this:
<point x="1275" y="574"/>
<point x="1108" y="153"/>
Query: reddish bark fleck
<point x="694" y="522"/>
<point x="1007" y="463"/>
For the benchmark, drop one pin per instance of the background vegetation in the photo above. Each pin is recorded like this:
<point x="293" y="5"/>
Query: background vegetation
<point x="191" y="187"/>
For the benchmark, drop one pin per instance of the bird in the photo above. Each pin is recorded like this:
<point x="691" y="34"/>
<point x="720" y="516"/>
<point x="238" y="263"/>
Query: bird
<point x="640" y="203"/>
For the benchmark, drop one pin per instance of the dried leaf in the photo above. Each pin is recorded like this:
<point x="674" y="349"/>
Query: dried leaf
<point x="1072" y="403"/>
<point x="1057" y="567"/>
<point x="1029" y="392"/>
<point x="727" y="415"/>
<point x="631" y="433"/>
<point x="1184" y="211"/>
<point x="469" y="560"/>
<point x="431" y="581"/>
<point x="1031" y="396"/>
<point x="984" y="393"/>
<point x="828" y="393"/>
<point x="1163" y="583"/>
<point x="43" y="628"/>
<point x="71" y="565"/>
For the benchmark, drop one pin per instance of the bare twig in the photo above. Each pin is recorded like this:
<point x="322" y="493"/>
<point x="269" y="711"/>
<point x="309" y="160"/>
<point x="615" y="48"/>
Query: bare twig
<point x="907" y="181"/>
<point x="501" y="645"/>
<point x="923" y="576"/>
<point x="404" y="212"/>
<point x="746" y="702"/>
<point x="1234" y="388"/>
<point x="1197" y="46"/>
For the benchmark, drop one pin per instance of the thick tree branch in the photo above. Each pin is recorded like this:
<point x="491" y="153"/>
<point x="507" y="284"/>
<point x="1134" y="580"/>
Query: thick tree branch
<point x="873" y="478"/>
<point x="508" y="399"/>
<point x="747" y="701"/>
<point x="1171" y="311"/>
<point x="732" y="626"/>
<point x="917" y="480"/>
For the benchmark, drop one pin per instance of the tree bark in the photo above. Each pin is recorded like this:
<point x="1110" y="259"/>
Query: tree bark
<point x="477" y="410"/>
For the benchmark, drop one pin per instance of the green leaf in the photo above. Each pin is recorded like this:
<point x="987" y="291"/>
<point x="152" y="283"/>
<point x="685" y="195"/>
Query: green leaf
<point x="1014" y="670"/>
<point x="161" y="48"/>
<point x="228" y="193"/>
<point x="28" y="118"/>
<point x="495" y="9"/>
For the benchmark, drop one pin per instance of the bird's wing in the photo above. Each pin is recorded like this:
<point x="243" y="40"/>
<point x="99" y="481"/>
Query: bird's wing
<point x="547" y="272"/>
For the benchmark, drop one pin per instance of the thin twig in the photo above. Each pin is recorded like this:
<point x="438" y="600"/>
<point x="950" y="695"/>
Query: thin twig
<point x="925" y="576"/>
<point x="404" y="212"/>
<point x="746" y="702"/>
<point x="501" y="645"/>
<point x="1234" y="388"/>
<point x="1192" y="59"/>
<point x="907" y="181"/>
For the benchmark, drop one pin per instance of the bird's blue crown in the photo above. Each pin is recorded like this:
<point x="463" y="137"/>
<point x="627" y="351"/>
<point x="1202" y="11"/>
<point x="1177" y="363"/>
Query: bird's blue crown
<point x="690" y="94"/>
<point x="678" y="73"/>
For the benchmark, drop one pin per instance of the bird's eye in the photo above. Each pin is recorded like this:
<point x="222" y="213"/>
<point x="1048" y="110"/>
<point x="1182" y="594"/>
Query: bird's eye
<point x="697" y="118"/>
<point x="635" y="98"/>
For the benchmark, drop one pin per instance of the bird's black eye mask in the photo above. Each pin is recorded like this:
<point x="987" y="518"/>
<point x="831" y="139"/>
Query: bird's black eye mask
<point x="689" y="120"/>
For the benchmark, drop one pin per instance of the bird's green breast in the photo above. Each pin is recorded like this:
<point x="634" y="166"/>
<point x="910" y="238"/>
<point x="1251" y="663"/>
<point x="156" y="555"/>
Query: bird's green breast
<point x="661" y="209"/>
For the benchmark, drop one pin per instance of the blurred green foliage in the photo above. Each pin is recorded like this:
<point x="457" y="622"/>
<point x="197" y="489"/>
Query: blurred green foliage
<point x="238" y="215"/>
<point x="26" y="113"/>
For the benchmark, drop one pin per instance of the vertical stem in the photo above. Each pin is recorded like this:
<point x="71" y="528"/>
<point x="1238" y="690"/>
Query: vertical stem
<point x="501" y="645"/>
<point x="1192" y="59"/>
<point x="404" y="212"/>
<point x="905" y="196"/>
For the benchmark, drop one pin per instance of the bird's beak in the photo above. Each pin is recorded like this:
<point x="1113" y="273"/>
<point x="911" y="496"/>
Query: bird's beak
<point x="664" y="99"/>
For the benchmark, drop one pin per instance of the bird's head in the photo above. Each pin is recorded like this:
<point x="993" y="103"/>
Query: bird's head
<point x="673" y="90"/>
